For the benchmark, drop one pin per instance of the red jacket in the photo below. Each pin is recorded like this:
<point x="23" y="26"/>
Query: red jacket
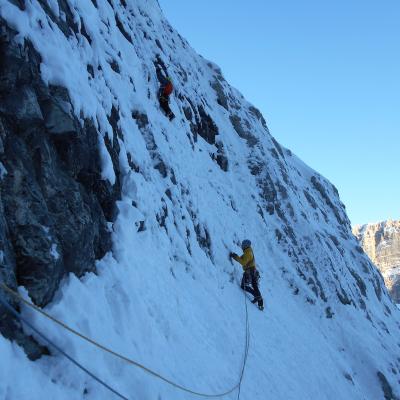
<point x="167" y="89"/>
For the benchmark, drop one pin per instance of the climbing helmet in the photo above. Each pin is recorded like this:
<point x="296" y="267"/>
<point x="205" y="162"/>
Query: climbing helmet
<point x="245" y="244"/>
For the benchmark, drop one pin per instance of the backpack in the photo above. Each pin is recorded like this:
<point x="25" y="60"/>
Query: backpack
<point x="168" y="89"/>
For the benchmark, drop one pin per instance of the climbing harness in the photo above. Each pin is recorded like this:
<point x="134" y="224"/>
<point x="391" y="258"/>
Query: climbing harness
<point x="120" y="356"/>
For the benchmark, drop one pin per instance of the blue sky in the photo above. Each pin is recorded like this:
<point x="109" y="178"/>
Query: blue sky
<point x="325" y="75"/>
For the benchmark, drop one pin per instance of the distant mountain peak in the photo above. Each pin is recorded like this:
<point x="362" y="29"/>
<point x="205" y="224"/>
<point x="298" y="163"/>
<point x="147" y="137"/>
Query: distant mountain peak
<point x="381" y="241"/>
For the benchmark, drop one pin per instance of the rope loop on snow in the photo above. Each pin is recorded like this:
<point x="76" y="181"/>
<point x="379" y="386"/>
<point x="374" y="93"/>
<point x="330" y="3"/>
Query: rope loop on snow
<point x="52" y="344"/>
<point x="120" y="356"/>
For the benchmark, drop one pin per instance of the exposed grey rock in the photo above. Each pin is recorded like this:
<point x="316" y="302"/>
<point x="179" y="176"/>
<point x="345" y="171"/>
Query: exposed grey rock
<point x="22" y="106"/>
<point x="57" y="111"/>
<point x="242" y="131"/>
<point x="54" y="206"/>
<point x="201" y="123"/>
<point x="123" y="30"/>
<point x="19" y="3"/>
<point x="310" y="199"/>
<point x="141" y="119"/>
<point x="315" y="181"/>
<point x="151" y="145"/>
<point x="386" y="388"/>
<point x="257" y="113"/>
<point x="10" y="327"/>
<point x="220" y="157"/>
<point x="222" y="99"/>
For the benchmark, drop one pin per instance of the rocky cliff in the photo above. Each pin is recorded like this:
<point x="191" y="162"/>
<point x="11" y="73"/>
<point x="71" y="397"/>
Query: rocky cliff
<point x="54" y="205"/>
<point x="381" y="241"/>
<point x="119" y="222"/>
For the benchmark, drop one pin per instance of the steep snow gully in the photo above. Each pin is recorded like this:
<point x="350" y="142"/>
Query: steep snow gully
<point x="143" y="269"/>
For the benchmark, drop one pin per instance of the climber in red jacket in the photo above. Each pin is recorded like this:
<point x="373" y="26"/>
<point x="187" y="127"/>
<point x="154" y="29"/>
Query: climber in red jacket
<point x="165" y="91"/>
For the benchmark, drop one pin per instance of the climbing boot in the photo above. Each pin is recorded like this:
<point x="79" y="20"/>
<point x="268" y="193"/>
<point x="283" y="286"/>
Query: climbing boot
<point x="260" y="303"/>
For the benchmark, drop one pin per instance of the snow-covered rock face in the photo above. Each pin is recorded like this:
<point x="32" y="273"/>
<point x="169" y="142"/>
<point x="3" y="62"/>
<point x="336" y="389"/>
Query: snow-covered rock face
<point x="191" y="190"/>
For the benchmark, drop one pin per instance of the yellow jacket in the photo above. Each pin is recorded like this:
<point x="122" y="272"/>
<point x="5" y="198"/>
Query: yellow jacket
<point x="246" y="259"/>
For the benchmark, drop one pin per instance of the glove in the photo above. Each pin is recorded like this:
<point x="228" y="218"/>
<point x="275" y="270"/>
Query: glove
<point x="232" y="255"/>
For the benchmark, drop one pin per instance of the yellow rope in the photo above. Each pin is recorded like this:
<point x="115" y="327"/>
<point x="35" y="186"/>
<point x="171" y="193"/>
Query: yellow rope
<point x="120" y="356"/>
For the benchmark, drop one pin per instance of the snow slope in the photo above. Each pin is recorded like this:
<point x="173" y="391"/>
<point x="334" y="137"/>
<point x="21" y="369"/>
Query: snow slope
<point x="193" y="188"/>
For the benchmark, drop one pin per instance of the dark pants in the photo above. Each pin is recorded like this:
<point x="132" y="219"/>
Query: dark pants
<point x="164" y="104"/>
<point x="250" y="284"/>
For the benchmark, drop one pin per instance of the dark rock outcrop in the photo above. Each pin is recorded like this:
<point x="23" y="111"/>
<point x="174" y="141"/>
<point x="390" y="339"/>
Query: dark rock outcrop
<point x="201" y="124"/>
<point x="54" y="205"/>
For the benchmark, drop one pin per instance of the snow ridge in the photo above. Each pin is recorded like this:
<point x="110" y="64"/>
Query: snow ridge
<point x="192" y="189"/>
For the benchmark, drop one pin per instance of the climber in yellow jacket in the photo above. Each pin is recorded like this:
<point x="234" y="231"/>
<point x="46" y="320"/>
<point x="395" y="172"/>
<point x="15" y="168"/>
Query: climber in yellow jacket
<point x="250" y="274"/>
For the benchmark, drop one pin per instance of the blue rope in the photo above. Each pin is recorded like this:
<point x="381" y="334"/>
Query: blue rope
<point x="14" y="312"/>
